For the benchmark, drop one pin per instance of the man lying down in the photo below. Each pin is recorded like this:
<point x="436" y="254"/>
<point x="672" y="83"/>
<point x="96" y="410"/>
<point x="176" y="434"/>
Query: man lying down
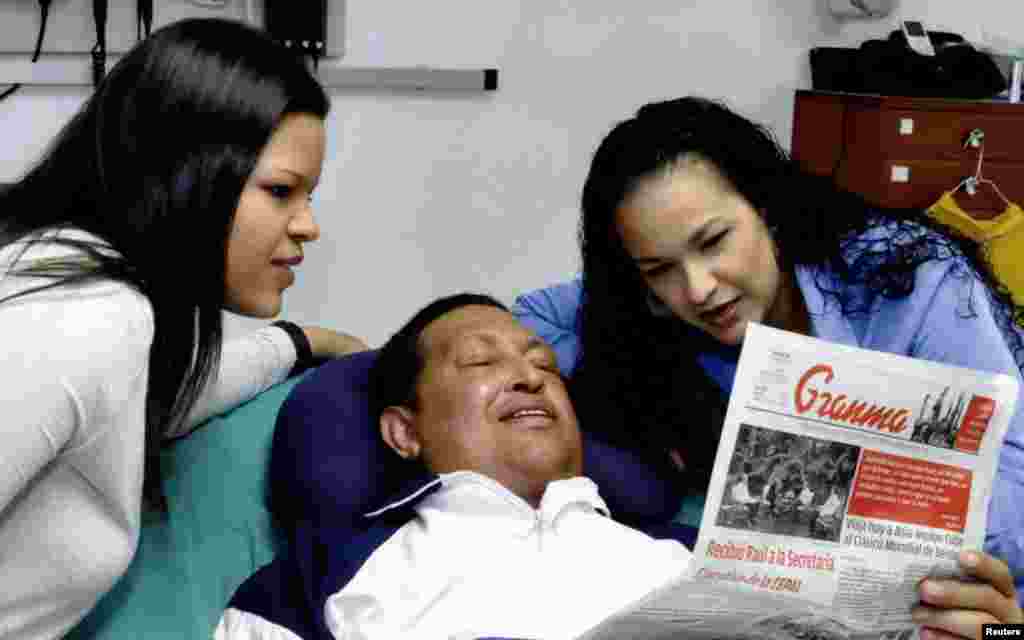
<point x="507" y="538"/>
<point x="512" y="541"/>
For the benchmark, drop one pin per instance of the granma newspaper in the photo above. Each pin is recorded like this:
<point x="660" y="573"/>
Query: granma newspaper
<point x="843" y="477"/>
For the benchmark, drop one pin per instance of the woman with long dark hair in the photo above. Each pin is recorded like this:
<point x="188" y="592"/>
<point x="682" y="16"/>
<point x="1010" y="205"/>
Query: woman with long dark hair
<point x="696" y="222"/>
<point x="179" y="190"/>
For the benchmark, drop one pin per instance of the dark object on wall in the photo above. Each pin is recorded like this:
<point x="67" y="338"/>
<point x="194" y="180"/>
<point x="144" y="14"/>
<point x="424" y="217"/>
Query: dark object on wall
<point x="891" y="67"/>
<point x="44" y="15"/>
<point x="835" y="69"/>
<point x="298" y="25"/>
<point x="144" y="16"/>
<point x="99" y="51"/>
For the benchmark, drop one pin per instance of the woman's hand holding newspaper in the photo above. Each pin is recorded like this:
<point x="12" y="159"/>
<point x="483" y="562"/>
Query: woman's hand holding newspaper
<point x="958" y="608"/>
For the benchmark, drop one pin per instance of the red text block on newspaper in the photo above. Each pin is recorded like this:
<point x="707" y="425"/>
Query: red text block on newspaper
<point x="911" y="491"/>
<point x="976" y="419"/>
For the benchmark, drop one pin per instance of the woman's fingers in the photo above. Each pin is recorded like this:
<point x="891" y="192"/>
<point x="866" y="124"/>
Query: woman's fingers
<point x="928" y="633"/>
<point x="963" y="623"/>
<point x="980" y="597"/>
<point x="989" y="569"/>
<point x="992" y="590"/>
<point x="960" y="608"/>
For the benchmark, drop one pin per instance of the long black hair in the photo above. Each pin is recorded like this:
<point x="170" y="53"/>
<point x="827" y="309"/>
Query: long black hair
<point x="638" y="381"/>
<point x="154" y="165"/>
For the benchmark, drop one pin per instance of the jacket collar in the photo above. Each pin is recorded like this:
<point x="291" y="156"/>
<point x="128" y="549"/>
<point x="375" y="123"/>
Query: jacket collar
<point x="425" y="483"/>
<point x="408" y="495"/>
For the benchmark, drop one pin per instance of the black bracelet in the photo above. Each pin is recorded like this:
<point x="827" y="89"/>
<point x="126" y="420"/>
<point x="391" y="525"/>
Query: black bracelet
<point x="304" y="352"/>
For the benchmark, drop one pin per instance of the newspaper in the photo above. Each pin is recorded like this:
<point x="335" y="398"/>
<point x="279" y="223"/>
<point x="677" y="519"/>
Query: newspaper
<point x="843" y="477"/>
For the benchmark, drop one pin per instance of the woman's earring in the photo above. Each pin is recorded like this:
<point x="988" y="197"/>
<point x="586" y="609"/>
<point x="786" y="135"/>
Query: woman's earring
<point x="658" y="308"/>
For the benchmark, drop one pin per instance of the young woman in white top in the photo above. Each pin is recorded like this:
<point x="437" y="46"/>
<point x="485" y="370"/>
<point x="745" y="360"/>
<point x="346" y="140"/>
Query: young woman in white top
<point x="179" y="190"/>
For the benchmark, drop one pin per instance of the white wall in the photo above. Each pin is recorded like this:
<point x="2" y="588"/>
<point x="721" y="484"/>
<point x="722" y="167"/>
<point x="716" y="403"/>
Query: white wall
<point x="426" y="194"/>
<point x="974" y="20"/>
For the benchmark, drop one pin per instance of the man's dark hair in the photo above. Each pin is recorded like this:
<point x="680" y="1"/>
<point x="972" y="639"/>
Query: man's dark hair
<point x="398" y="365"/>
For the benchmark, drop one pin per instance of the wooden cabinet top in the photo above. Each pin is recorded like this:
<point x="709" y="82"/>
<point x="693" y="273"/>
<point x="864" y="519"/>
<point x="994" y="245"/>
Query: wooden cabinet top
<point x="913" y="104"/>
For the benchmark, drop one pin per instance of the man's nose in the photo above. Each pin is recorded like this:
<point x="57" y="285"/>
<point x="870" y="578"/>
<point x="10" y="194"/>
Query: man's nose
<point x="526" y="378"/>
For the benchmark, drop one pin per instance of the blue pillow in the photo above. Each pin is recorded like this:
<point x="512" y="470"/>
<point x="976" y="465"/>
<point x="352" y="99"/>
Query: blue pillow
<point x="329" y="463"/>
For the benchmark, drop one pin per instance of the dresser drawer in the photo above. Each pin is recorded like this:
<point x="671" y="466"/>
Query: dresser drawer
<point x="941" y="135"/>
<point x="922" y="137"/>
<point x="927" y="180"/>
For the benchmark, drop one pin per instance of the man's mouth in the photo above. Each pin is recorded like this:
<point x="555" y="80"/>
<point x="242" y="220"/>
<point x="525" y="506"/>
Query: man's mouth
<point x="530" y="417"/>
<point x="529" y="412"/>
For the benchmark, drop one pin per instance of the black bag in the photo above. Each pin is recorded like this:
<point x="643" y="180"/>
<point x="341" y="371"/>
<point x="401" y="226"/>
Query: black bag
<point x="891" y="67"/>
<point x="835" y="69"/>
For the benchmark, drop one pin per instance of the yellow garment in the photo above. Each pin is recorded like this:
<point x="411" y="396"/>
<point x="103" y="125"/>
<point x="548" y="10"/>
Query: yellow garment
<point x="1002" y="238"/>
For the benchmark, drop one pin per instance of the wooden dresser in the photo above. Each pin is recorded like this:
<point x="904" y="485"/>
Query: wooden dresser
<point x="905" y="152"/>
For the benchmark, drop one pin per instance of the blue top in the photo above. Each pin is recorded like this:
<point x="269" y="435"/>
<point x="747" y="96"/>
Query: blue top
<point x="933" y="323"/>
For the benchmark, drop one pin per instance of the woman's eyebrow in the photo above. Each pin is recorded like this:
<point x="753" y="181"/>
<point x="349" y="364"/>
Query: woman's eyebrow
<point x="310" y="180"/>
<point x="695" y="238"/>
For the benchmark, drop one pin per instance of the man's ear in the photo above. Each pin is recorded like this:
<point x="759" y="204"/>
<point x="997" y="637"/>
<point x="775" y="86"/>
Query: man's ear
<point x="398" y="429"/>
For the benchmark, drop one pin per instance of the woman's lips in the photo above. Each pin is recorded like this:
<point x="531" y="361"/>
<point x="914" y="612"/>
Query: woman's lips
<point x="722" y="316"/>
<point x="286" y="264"/>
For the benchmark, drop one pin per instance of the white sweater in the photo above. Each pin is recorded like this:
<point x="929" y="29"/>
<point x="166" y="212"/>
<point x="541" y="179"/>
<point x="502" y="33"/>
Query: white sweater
<point x="74" y="363"/>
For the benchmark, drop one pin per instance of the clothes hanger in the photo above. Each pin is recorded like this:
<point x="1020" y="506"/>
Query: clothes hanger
<point x="970" y="184"/>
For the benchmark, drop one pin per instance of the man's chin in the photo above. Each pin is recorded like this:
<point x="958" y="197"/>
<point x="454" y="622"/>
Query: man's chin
<point x="536" y="482"/>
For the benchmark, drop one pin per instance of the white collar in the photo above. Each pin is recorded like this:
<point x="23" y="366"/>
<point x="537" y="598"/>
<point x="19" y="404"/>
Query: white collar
<point x="476" y="497"/>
